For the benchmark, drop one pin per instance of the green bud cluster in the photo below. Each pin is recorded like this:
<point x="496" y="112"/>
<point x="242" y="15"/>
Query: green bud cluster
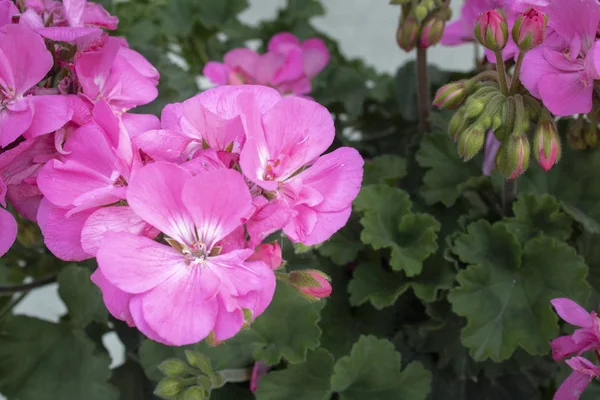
<point x="193" y="380"/>
<point x="583" y="131"/>
<point x="421" y="23"/>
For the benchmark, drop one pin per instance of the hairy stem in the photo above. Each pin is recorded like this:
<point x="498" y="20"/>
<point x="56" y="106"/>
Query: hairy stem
<point x="515" y="80"/>
<point x="236" y="375"/>
<point x="423" y="90"/>
<point x="501" y="73"/>
<point x="509" y="194"/>
<point x="9" y="290"/>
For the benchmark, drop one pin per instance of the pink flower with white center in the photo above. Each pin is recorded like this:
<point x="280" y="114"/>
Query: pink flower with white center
<point x="561" y="72"/>
<point x="182" y="293"/>
<point x="584" y="339"/>
<point x="282" y="155"/>
<point x="116" y="75"/>
<point x="583" y="373"/>
<point x="26" y="63"/>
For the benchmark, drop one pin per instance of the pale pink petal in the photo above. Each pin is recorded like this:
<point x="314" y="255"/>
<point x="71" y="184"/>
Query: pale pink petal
<point x="136" y="264"/>
<point x="14" y="123"/>
<point x="62" y="235"/>
<point x="577" y="22"/>
<point x="137" y="313"/>
<point x="138" y="123"/>
<point x="8" y="231"/>
<point x="268" y="218"/>
<point x="204" y="161"/>
<point x="236" y="240"/>
<point x="534" y="67"/>
<point x="230" y="101"/>
<point x="565" y="93"/>
<point x="283" y="42"/>
<point x="292" y="69"/>
<point x="50" y="113"/>
<point x="267" y="66"/>
<point x="492" y="145"/>
<point x="269" y="253"/>
<point x="162" y="144"/>
<point x="572" y="312"/>
<point x="29" y="18"/>
<point x="94" y="67"/>
<point x="74" y="11"/>
<point x="228" y="323"/>
<point x="219" y="202"/>
<point x="67" y="34"/>
<point x="116" y="300"/>
<point x="259" y="299"/>
<point x="155" y="195"/>
<point x="217" y="73"/>
<point x="243" y="60"/>
<point x="126" y="87"/>
<point x="312" y="228"/>
<point x="140" y="64"/>
<point x="189" y="293"/>
<point x="110" y="219"/>
<point x="315" y="56"/>
<point x="95" y="15"/>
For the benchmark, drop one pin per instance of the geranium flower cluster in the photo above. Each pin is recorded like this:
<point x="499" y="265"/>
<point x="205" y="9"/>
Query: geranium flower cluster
<point x="585" y="339"/>
<point x="288" y="65"/>
<point x="174" y="210"/>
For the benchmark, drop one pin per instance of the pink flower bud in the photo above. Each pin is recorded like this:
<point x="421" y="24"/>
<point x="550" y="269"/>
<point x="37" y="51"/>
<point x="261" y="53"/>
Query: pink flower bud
<point x="432" y="31"/>
<point x="471" y="142"/>
<point x="512" y="159"/>
<point x="311" y="283"/>
<point x="491" y="30"/>
<point x="407" y="34"/>
<point x="547" y="145"/>
<point x="258" y="371"/>
<point x="529" y="29"/>
<point x="451" y="96"/>
<point x="269" y="253"/>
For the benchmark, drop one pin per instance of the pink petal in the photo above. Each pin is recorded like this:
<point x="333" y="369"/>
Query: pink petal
<point x="29" y="18"/>
<point x="489" y="157"/>
<point x="155" y="195"/>
<point x="269" y="253"/>
<point x="315" y="56"/>
<point x="94" y="67"/>
<point x="126" y="87"/>
<point x="259" y="370"/>
<point x="534" y="67"/>
<point x="189" y="292"/>
<point x="230" y="101"/>
<point x="136" y="264"/>
<point x="292" y="69"/>
<point x="94" y="14"/>
<point x="62" y="235"/>
<point x="74" y="11"/>
<point x="283" y="42"/>
<point x="24" y="201"/>
<point x="140" y="64"/>
<point x="204" y="161"/>
<point x="259" y="299"/>
<point x="162" y="144"/>
<point x="111" y="219"/>
<point x="217" y="73"/>
<point x="8" y="231"/>
<point x="572" y="388"/>
<point x="572" y="312"/>
<point x="565" y="93"/>
<point x="242" y="59"/>
<point x="564" y="346"/>
<point x="137" y="313"/>
<point x="311" y="229"/>
<point x="24" y="58"/>
<point x="577" y="22"/>
<point x="219" y="202"/>
<point x="50" y="113"/>
<point x="138" y="123"/>
<point x="67" y="34"/>
<point x="14" y="123"/>
<point x="116" y="301"/>
<point x="7" y="10"/>
<point x="228" y="323"/>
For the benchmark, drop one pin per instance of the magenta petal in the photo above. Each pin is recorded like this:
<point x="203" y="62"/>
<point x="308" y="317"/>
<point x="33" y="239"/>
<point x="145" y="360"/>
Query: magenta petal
<point x="70" y="35"/>
<point x="564" y="346"/>
<point x="489" y="157"/>
<point x="14" y="123"/>
<point x="116" y="301"/>
<point x="110" y="219"/>
<point x="137" y="313"/>
<point x="572" y="388"/>
<point x="259" y="299"/>
<point x="7" y="10"/>
<point x="137" y="264"/>
<point x="259" y="370"/>
<point x="315" y="56"/>
<point x="228" y="323"/>
<point x="312" y="233"/>
<point x="268" y="218"/>
<point x="291" y="70"/>
<point x="138" y="123"/>
<point x="162" y="144"/>
<point x="50" y="113"/>
<point x="219" y="202"/>
<point x="565" y="93"/>
<point x="217" y="73"/>
<point x="62" y="235"/>
<point x="186" y="292"/>
<point x="155" y="195"/>
<point x="8" y="231"/>
<point x="283" y="42"/>
<point x="242" y="59"/>
<point x="534" y="67"/>
<point x="572" y="312"/>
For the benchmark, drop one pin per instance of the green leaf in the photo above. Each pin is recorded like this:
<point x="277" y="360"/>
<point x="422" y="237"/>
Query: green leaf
<point x="539" y="214"/>
<point x="153" y="353"/>
<point x="41" y="359"/>
<point x="341" y="84"/>
<point x="373" y="367"/>
<point x="372" y="283"/>
<point x="343" y="247"/>
<point x="447" y="175"/>
<point x="217" y="13"/>
<point x="438" y="274"/>
<point x="307" y="381"/>
<point x="131" y="381"/>
<point x="388" y="224"/>
<point x="237" y="352"/>
<point x="505" y="293"/>
<point x="82" y="298"/>
<point x="406" y="87"/>
<point x="574" y="182"/>
<point x="384" y="169"/>
<point x="289" y="327"/>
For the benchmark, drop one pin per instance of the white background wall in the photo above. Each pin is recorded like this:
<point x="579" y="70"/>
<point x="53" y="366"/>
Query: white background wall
<point x="364" y="28"/>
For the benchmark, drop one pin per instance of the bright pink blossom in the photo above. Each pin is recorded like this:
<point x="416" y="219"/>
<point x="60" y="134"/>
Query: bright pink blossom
<point x="181" y="294"/>
<point x="584" y="339"/>
<point x="8" y="225"/>
<point x="583" y="373"/>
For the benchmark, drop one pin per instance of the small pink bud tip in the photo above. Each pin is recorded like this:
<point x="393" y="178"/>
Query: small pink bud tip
<point x="491" y="30"/>
<point x="547" y="145"/>
<point x="311" y="283"/>
<point x="432" y="31"/>
<point x="451" y="96"/>
<point x="529" y="29"/>
<point x="407" y="34"/>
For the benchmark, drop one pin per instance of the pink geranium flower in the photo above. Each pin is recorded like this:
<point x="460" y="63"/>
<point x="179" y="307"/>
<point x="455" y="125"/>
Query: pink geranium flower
<point x="26" y="63"/>
<point x="8" y="225"/>
<point x="561" y="72"/>
<point x="208" y="285"/>
<point x="583" y="339"/>
<point x="583" y="373"/>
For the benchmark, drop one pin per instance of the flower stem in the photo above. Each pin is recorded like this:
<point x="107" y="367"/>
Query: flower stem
<point x="509" y="195"/>
<point x="236" y="375"/>
<point x="423" y="90"/>
<point x="501" y="73"/>
<point x="9" y="290"/>
<point x="515" y="80"/>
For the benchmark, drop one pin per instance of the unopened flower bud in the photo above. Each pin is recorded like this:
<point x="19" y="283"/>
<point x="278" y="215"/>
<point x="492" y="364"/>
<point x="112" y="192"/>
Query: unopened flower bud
<point x="517" y="155"/>
<point x="269" y="253"/>
<point x="194" y="393"/>
<point x="173" y="367"/>
<point x="168" y="387"/>
<point x="456" y="124"/>
<point x="421" y="12"/>
<point x="491" y="30"/>
<point x="529" y="29"/>
<point x="471" y="142"/>
<point x="474" y="107"/>
<point x="546" y="143"/>
<point x="407" y="34"/>
<point x="311" y="283"/>
<point x="432" y="30"/>
<point x="199" y="360"/>
<point x="452" y="95"/>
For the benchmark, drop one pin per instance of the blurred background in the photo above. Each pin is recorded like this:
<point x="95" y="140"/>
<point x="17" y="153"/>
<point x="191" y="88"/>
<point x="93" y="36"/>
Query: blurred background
<point x="365" y="29"/>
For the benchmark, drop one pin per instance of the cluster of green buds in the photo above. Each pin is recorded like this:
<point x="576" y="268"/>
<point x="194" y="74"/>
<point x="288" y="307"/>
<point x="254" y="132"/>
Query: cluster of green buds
<point x="487" y="103"/>
<point x="421" y="23"/>
<point x="193" y="380"/>
<point x="583" y="131"/>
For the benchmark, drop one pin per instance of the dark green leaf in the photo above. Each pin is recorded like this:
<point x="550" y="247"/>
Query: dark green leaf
<point x="152" y="354"/>
<point x="384" y="169"/>
<point x="131" y="381"/>
<point x="307" y="381"/>
<point x="82" y="298"/>
<point x="372" y="283"/>
<point x="373" y="367"/>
